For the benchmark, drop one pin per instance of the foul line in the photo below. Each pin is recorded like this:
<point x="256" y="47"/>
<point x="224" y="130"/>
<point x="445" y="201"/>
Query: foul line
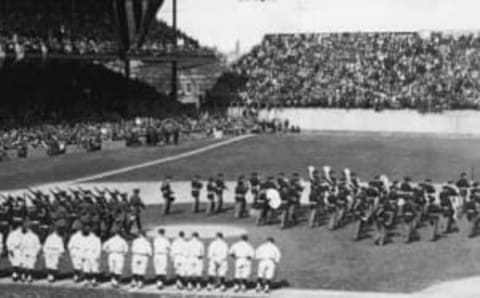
<point x="158" y="161"/>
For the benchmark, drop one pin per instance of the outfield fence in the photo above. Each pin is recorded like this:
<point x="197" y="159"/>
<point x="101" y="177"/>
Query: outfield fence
<point x="465" y="122"/>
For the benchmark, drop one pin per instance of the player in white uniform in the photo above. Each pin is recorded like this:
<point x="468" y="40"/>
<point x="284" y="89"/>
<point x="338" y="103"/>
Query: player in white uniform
<point x="195" y="258"/>
<point x="90" y="253"/>
<point x="217" y="262"/>
<point x="53" y="249"/>
<point x="243" y="253"/>
<point x="116" y="248"/>
<point x="178" y="253"/>
<point x="75" y="256"/>
<point x="141" y="252"/>
<point x="14" y="241"/>
<point x="29" y="249"/>
<point x="268" y="256"/>
<point x="161" y="250"/>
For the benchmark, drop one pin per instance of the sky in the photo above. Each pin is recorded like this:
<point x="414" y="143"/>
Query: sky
<point x="220" y="23"/>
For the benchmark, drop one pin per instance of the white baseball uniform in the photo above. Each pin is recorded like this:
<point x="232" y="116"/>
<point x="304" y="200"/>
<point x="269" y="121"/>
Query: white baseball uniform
<point x="243" y="253"/>
<point x="178" y="253"/>
<point x="74" y="249"/>
<point x="161" y="249"/>
<point x="217" y="258"/>
<point x="90" y="253"/>
<point x="30" y="247"/>
<point x="268" y="256"/>
<point x="194" y="258"/>
<point x="141" y="252"/>
<point x="116" y="247"/>
<point x="14" y="242"/>
<point x="53" y="248"/>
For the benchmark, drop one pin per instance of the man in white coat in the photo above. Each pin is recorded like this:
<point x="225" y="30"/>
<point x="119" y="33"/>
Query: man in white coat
<point x="74" y="250"/>
<point x="195" y="258"/>
<point x="141" y="253"/>
<point x="217" y="262"/>
<point x="268" y="256"/>
<point x="243" y="253"/>
<point x="53" y="249"/>
<point x="161" y="250"/>
<point x="14" y="241"/>
<point x="29" y="249"/>
<point x="116" y="248"/>
<point x="90" y="253"/>
<point x="179" y="256"/>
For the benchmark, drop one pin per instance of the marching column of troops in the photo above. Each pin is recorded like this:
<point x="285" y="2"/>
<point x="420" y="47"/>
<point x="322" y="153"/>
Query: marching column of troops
<point x="339" y="201"/>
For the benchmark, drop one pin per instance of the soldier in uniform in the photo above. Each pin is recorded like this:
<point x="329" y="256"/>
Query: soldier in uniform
<point x="4" y="222"/>
<point x="384" y="218"/>
<point x="448" y="208"/>
<point x="283" y="187"/>
<point x="136" y="207"/>
<point x="19" y="211"/>
<point x="220" y="188"/>
<point x="463" y="185"/>
<point x="315" y="199"/>
<point x="168" y="195"/>
<point x="211" y="190"/>
<point x="264" y="216"/>
<point x="296" y="190"/>
<point x="472" y="209"/>
<point x="197" y="186"/>
<point x="241" y="190"/>
<point x="254" y="187"/>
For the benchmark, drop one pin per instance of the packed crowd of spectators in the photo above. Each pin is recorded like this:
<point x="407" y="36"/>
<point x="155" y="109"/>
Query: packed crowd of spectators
<point x="78" y="32"/>
<point x="410" y="70"/>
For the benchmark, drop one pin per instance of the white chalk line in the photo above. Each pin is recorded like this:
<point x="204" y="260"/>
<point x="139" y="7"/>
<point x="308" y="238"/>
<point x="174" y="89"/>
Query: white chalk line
<point x="158" y="161"/>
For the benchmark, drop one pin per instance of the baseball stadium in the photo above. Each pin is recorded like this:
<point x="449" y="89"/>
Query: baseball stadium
<point x="355" y="153"/>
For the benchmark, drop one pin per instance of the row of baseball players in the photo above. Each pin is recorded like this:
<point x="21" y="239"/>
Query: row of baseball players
<point x="187" y="256"/>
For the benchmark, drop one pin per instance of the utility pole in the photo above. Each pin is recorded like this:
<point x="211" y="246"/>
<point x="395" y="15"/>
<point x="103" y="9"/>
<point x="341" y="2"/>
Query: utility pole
<point x="175" y="45"/>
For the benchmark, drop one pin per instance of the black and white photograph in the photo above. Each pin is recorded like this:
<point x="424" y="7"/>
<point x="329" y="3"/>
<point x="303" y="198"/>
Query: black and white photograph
<point x="239" y="148"/>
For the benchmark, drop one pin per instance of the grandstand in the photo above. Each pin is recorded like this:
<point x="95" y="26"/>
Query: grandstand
<point x="426" y="71"/>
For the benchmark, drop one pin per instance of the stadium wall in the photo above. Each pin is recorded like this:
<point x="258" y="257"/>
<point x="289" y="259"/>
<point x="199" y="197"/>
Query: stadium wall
<point x="406" y="121"/>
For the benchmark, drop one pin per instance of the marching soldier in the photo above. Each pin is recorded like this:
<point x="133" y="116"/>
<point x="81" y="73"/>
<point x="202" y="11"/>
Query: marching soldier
<point x="241" y="190"/>
<point x="211" y="190"/>
<point x="168" y="195"/>
<point x="254" y="187"/>
<point x="408" y="214"/>
<point x="448" y="208"/>
<point x="362" y="210"/>
<point x="197" y="186"/>
<point x="296" y="190"/>
<point x="136" y="207"/>
<point x="433" y="213"/>
<point x="220" y="188"/>
<point x="384" y="218"/>
<point x="285" y="193"/>
<point x="264" y="216"/>
<point x="315" y="199"/>
<point x="472" y="209"/>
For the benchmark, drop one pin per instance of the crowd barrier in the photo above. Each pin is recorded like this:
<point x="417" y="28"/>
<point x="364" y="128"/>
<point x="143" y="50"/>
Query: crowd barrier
<point x="466" y="122"/>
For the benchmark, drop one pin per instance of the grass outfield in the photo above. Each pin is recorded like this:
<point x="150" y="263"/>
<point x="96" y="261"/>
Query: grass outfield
<point x="20" y="173"/>
<point x="312" y="258"/>
<point x="418" y="156"/>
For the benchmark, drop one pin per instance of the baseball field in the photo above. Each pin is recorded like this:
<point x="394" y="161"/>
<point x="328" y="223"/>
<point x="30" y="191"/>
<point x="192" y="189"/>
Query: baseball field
<point x="312" y="258"/>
